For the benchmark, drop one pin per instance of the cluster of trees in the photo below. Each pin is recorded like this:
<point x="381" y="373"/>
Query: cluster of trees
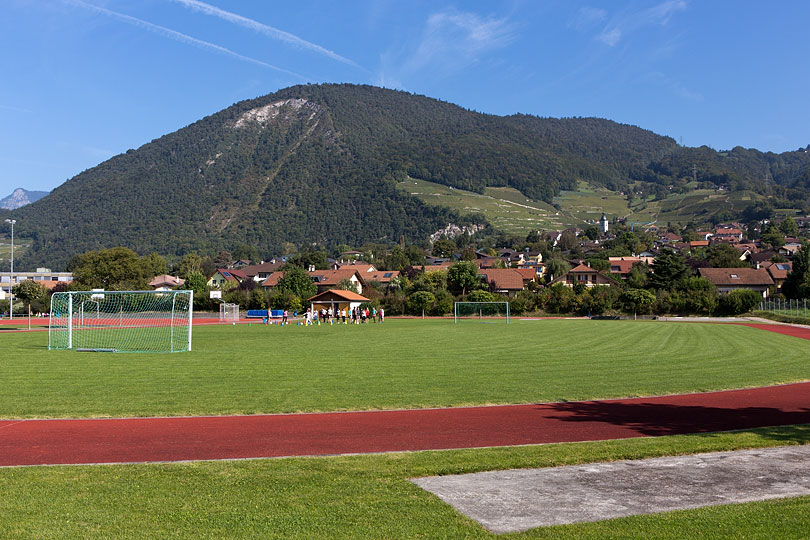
<point x="669" y="286"/>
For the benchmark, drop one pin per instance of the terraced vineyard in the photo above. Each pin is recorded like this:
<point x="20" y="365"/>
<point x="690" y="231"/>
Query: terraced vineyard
<point x="511" y="212"/>
<point x="5" y="251"/>
<point x="506" y="208"/>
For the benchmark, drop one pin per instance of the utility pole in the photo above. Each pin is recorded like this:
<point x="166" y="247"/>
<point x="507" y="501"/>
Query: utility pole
<point x="11" y="275"/>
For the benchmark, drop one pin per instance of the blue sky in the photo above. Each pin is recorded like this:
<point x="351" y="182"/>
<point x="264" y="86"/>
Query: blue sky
<point x="84" y="80"/>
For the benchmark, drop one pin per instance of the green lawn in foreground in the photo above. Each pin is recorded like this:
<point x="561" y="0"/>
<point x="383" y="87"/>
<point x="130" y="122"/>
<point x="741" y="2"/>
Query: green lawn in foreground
<point x="400" y="364"/>
<point x="357" y="496"/>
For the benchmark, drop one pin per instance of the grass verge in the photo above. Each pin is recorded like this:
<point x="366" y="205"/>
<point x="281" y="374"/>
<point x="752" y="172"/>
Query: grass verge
<point x="367" y="496"/>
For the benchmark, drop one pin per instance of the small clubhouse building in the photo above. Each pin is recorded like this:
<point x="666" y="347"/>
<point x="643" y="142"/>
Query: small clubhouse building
<point x="336" y="299"/>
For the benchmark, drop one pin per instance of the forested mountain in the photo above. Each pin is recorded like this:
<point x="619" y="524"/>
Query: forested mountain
<point x="318" y="165"/>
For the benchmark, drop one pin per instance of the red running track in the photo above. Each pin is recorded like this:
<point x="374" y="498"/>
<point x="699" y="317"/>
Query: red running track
<point x="39" y="442"/>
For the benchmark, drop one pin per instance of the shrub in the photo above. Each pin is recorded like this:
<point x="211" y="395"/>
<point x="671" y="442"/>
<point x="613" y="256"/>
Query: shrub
<point x="738" y="302"/>
<point x="443" y="304"/>
<point x="480" y="296"/>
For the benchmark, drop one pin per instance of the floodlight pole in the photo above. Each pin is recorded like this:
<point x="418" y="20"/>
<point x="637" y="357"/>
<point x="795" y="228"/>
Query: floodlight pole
<point x="11" y="275"/>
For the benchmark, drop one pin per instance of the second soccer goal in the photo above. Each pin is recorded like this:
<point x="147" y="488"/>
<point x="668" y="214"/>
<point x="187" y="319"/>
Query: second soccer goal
<point x="481" y="311"/>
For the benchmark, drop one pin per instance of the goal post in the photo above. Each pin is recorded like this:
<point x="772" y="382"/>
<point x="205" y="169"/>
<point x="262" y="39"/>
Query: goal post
<point x="229" y="313"/>
<point x="121" y="321"/>
<point x="480" y="310"/>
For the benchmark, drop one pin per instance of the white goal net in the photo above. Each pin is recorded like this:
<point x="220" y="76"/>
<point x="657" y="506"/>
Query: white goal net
<point x="229" y="313"/>
<point x="481" y="311"/>
<point x="121" y="321"/>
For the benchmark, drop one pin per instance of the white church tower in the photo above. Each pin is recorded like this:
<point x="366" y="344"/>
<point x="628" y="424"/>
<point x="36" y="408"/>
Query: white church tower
<point x="603" y="224"/>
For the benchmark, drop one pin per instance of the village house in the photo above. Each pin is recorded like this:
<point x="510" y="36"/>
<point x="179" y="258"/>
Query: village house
<point x="325" y="279"/>
<point x="584" y="275"/>
<point x="166" y="282"/>
<point x="732" y="279"/>
<point x="621" y="266"/>
<point x="223" y="275"/>
<point x="534" y="260"/>
<point x="260" y="272"/>
<point x="778" y="272"/>
<point x="507" y="281"/>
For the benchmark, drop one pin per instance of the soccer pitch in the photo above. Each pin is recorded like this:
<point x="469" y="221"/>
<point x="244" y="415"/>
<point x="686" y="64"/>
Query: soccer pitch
<point x="400" y="364"/>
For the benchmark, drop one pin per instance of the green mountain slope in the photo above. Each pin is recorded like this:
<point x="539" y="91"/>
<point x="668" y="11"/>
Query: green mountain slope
<point x="319" y="165"/>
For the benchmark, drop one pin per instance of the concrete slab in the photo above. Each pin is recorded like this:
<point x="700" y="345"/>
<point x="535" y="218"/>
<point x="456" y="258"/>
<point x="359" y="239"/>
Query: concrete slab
<point x="517" y="500"/>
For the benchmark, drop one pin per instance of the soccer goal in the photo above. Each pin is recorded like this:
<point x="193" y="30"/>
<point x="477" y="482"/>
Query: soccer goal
<point x="481" y="311"/>
<point x="121" y="321"/>
<point x="229" y="313"/>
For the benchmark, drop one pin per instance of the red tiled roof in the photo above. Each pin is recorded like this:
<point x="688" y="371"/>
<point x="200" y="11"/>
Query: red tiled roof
<point x="272" y="279"/>
<point x="48" y="284"/>
<point x="440" y="266"/>
<point x="623" y="266"/>
<point x="778" y="270"/>
<point x="165" y="279"/>
<point x="256" y="269"/>
<point x="231" y="275"/>
<point x="346" y="295"/>
<point x="380" y="277"/>
<point x="362" y="268"/>
<point x="528" y="274"/>
<point x="736" y="276"/>
<point x="334" y="277"/>
<point x="582" y="269"/>
<point x="510" y="279"/>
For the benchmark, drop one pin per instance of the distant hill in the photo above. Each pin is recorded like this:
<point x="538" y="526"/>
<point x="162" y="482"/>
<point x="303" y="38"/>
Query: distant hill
<point x="318" y="165"/>
<point x="20" y="197"/>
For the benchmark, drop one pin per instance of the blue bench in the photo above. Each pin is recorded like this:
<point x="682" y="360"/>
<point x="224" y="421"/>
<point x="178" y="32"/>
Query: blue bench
<point x="262" y="313"/>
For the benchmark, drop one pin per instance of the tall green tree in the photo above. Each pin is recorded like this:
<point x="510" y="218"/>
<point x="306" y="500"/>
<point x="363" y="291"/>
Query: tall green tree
<point x="789" y="227"/>
<point x="396" y="260"/>
<point x="668" y="269"/>
<point x="195" y="281"/>
<point x="797" y="284"/>
<point x="112" y="269"/>
<point x="462" y="277"/>
<point x="724" y="256"/>
<point x="444" y="247"/>
<point x="155" y="264"/>
<point x="638" y="300"/>
<point x="34" y="294"/>
<point x="557" y="267"/>
<point x="420" y="302"/>
<point x="191" y="262"/>
<point x="297" y="281"/>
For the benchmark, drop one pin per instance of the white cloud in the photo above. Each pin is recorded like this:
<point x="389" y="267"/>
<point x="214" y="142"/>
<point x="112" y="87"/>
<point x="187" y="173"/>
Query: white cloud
<point x="628" y="22"/>
<point x="675" y="86"/>
<point x="15" y="109"/>
<point x="455" y="39"/>
<point x="178" y="36"/>
<point x="262" y="28"/>
<point x="610" y="37"/>
<point x="587" y="17"/>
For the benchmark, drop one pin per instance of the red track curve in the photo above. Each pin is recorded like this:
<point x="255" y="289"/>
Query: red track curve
<point x="39" y="442"/>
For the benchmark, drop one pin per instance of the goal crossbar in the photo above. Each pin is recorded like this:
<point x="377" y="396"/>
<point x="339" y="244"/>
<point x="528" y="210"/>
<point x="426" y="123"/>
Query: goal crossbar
<point x="121" y="321"/>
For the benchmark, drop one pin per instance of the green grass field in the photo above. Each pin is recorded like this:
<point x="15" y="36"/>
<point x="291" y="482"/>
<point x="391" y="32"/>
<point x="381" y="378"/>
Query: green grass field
<point x="403" y="363"/>
<point x="400" y="364"/>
